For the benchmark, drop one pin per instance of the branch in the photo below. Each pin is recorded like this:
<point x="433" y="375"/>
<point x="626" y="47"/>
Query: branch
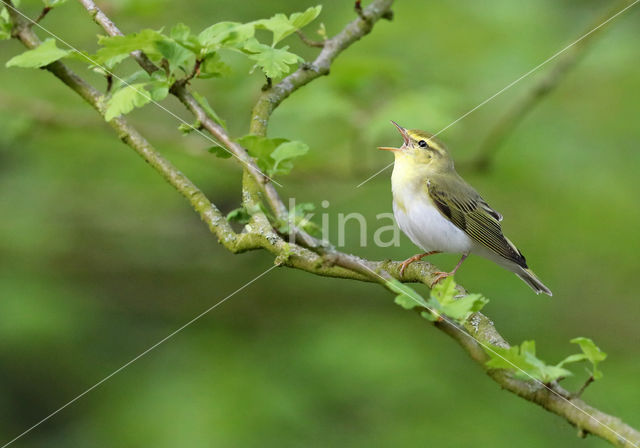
<point x="478" y="330"/>
<point x="180" y="90"/>
<point x="270" y="99"/>
<point x="545" y="85"/>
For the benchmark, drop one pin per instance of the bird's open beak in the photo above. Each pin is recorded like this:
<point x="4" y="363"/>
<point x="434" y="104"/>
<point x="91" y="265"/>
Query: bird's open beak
<point x="405" y="137"/>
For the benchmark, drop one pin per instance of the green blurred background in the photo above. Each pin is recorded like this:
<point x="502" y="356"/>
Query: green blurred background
<point x="100" y="258"/>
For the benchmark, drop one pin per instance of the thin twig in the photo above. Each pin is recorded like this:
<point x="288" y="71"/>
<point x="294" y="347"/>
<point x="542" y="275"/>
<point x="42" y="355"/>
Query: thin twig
<point x="352" y="32"/>
<point x="590" y="380"/>
<point x="312" y="43"/>
<point x="546" y="84"/>
<point x="43" y="13"/>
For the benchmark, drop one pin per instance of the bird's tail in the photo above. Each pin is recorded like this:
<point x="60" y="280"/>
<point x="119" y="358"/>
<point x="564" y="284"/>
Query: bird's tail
<point x="534" y="282"/>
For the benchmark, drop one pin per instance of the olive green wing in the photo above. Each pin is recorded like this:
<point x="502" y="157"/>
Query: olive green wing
<point x="465" y="208"/>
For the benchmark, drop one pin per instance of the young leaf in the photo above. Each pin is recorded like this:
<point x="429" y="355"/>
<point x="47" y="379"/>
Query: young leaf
<point x="261" y="148"/>
<point x="177" y="56"/>
<point x="158" y="90"/>
<point x="460" y="309"/>
<point x="180" y="32"/>
<point x="443" y="299"/>
<point x="283" y="154"/>
<point x="592" y="353"/>
<point x="186" y="129"/>
<point x="124" y="100"/>
<point x="282" y="26"/>
<point x="115" y="49"/>
<point x="524" y="363"/>
<point x="407" y="297"/>
<point x="42" y="55"/>
<point x="202" y="101"/>
<point x="239" y="215"/>
<point x="5" y="24"/>
<point x="212" y="66"/>
<point x="274" y="62"/>
<point x="298" y="217"/>
<point x="302" y="19"/>
<point x="219" y="152"/>
<point x="445" y="290"/>
<point x="229" y="34"/>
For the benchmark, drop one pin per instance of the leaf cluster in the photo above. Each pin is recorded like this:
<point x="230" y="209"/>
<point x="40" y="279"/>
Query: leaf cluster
<point x="524" y="363"/>
<point x="521" y="360"/>
<point x="443" y="300"/>
<point x="182" y="55"/>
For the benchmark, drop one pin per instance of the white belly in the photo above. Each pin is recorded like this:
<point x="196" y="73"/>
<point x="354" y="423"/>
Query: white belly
<point x="418" y="217"/>
<point x="428" y="229"/>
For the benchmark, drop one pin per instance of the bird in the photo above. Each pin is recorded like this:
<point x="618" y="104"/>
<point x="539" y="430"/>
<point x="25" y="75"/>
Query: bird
<point x="441" y="213"/>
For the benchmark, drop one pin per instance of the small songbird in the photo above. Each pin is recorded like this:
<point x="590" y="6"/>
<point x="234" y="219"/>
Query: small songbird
<point x="440" y="212"/>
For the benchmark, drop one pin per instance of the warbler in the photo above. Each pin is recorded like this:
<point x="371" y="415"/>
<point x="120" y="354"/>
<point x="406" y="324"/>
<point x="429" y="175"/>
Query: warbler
<point x="441" y="213"/>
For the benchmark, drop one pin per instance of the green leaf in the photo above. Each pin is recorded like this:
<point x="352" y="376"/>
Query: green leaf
<point x="219" y="152"/>
<point x="460" y="309"/>
<point x="225" y="34"/>
<point x="298" y="217"/>
<point x="202" y="101"/>
<point x="279" y="25"/>
<point x="212" y="66"/>
<point x="592" y="353"/>
<point x="443" y="299"/>
<point x="444" y="291"/>
<point x="576" y="357"/>
<point x="180" y="32"/>
<point x="126" y="99"/>
<point x="177" y="56"/>
<point x="282" y="26"/>
<point x="283" y="154"/>
<point x="115" y="49"/>
<point x="43" y="54"/>
<point x="260" y="148"/>
<point x="240" y="215"/>
<point x="274" y="62"/>
<point x="524" y="363"/>
<point x="5" y="24"/>
<point x="186" y="129"/>
<point x="407" y="297"/>
<point x="302" y="19"/>
<point x="158" y="90"/>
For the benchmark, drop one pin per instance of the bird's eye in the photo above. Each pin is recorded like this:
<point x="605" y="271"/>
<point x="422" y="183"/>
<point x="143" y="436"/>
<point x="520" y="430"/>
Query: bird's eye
<point x="422" y="144"/>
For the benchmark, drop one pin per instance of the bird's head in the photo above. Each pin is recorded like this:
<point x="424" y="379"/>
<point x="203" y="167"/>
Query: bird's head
<point x="421" y="148"/>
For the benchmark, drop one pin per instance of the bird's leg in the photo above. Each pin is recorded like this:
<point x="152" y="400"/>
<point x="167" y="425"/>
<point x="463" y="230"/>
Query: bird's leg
<point x="441" y="275"/>
<point x="408" y="261"/>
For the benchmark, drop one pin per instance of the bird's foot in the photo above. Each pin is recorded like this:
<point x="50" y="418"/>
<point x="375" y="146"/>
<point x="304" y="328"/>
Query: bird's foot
<point x="440" y="275"/>
<point x="408" y="261"/>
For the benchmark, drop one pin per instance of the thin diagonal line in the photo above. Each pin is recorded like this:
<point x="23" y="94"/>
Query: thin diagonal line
<point x="137" y="357"/>
<point x="141" y="92"/>
<point x="516" y="81"/>
<point x="421" y="302"/>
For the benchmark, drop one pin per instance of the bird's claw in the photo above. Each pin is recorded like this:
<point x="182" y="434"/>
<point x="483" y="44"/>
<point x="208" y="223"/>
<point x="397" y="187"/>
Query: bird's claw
<point x="439" y="276"/>
<point x="418" y="257"/>
<point x="404" y="265"/>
